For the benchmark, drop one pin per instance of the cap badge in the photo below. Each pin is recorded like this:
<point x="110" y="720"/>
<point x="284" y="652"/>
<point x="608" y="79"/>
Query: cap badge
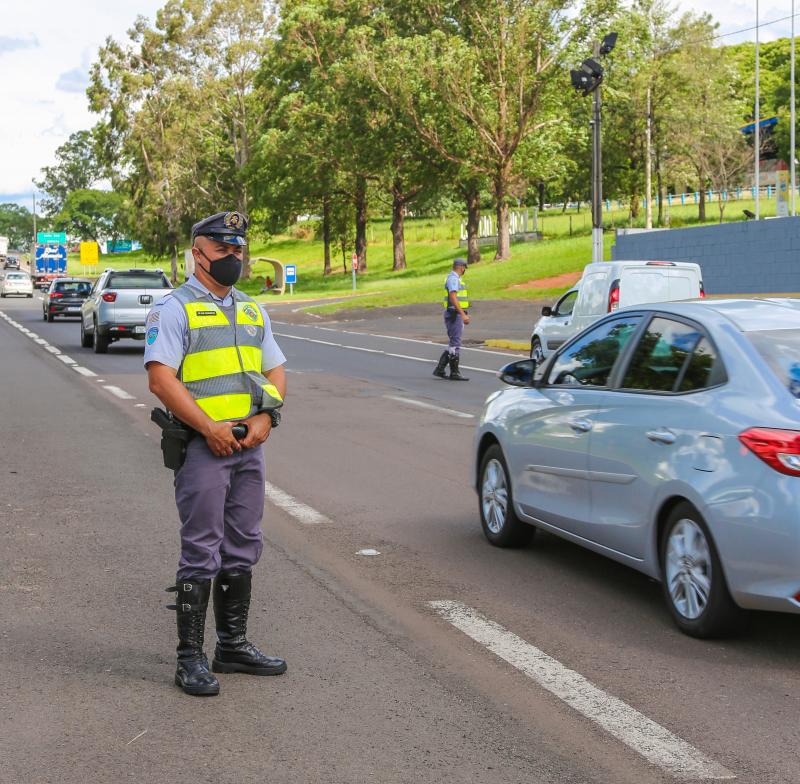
<point x="233" y="220"/>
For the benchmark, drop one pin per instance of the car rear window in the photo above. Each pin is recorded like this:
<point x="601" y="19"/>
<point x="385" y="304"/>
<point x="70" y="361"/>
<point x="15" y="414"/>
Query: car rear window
<point x="16" y="276"/>
<point x="780" y="349"/>
<point x="137" y="280"/>
<point x="73" y="287"/>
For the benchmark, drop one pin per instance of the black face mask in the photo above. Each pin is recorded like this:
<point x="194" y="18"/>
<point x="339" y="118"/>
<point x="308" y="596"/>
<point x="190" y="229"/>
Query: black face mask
<point x="226" y="271"/>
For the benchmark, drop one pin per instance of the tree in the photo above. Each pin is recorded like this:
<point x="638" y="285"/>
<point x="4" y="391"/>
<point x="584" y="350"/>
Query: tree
<point x="16" y="223"/>
<point x="77" y="167"/>
<point x="483" y="86"/>
<point x="92" y="214"/>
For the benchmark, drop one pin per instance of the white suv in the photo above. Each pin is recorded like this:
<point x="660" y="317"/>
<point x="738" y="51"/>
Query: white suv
<point x="606" y="286"/>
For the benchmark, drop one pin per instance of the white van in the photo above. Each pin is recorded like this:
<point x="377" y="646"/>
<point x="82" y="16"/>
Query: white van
<point x="606" y="286"/>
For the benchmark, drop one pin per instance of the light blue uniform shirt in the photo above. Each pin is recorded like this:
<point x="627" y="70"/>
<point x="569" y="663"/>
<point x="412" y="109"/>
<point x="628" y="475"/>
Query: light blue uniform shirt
<point x="167" y="338"/>
<point x="453" y="283"/>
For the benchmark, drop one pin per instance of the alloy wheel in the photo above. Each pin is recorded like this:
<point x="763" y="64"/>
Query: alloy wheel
<point x="494" y="496"/>
<point x="688" y="568"/>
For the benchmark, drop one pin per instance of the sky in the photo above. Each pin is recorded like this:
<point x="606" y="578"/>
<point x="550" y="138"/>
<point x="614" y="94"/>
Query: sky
<point x="47" y="47"/>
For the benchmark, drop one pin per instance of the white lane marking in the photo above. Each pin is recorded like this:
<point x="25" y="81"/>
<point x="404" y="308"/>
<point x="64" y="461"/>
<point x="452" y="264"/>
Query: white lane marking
<point x="140" y="405"/>
<point x="67" y="360"/>
<point x="656" y="744"/>
<point x="41" y="341"/>
<point x="83" y="371"/>
<point x="32" y="335"/>
<point x="420" y="404"/>
<point x="376" y="351"/>
<point x="120" y="393"/>
<point x="396" y="337"/>
<point x="368" y="551"/>
<point x="52" y="349"/>
<point x="297" y="509"/>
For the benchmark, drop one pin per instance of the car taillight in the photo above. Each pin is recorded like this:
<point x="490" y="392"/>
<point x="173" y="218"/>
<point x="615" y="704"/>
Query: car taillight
<point x="56" y="295"/>
<point x="613" y="297"/>
<point x="779" y="449"/>
<point x="702" y="291"/>
<point x="109" y="296"/>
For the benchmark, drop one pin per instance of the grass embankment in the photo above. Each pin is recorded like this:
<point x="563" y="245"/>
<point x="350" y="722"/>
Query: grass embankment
<point x="431" y="247"/>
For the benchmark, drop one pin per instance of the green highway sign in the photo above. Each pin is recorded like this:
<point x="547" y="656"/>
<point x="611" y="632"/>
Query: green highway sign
<point x="43" y="237"/>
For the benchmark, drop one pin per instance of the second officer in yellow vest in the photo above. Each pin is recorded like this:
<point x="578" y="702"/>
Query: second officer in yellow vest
<point x="213" y="362"/>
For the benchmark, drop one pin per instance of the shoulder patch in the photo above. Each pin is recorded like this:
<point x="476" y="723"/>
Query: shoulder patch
<point x="152" y="334"/>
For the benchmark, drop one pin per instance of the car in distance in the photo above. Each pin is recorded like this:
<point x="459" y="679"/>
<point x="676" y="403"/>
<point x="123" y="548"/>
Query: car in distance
<point x="65" y="297"/>
<point x="16" y="283"/>
<point x="118" y="304"/>
<point x="11" y="262"/>
<point x="666" y="437"/>
<point x="606" y="286"/>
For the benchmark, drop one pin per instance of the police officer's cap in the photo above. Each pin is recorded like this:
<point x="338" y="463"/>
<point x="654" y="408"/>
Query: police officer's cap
<point x="460" y="262"/>
<point x="230" y="227"/>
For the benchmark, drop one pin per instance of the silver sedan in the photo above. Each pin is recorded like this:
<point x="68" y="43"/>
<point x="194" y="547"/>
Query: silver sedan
<point x="666" y="437"/>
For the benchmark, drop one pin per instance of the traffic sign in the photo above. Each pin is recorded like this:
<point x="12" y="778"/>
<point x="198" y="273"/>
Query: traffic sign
<point x="89" y="254"/>
<point x="59" y="237"/>
<point x="355" y="262"/>
<point x="291" y="273"/>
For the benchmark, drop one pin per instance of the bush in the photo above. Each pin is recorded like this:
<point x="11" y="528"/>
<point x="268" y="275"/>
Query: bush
<point x="305" y="230"/>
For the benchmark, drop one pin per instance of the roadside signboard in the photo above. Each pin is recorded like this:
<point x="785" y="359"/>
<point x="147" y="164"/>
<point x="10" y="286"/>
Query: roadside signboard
<point x="782" y="194"/>
<point x="51" y="258"/>
<point x="119" y="246"/>
<point x="59" y="237"/>
<point x="90" y="254"/>
<point x="291" y="273"/>
<point x="355" y="262"/>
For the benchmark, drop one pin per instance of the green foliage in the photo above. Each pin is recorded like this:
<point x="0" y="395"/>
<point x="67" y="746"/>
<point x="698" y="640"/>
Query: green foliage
<point x="92" y="215"/>
<point x="16" y="223"/>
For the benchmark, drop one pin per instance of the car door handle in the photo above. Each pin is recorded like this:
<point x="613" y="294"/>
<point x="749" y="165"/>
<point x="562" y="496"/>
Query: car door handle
<point x="661" y="436"/>
<point x="581" y="425"/>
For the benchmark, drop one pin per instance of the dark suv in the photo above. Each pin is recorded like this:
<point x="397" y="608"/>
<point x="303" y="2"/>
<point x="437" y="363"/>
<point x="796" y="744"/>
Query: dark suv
<point x="65" y="297"/>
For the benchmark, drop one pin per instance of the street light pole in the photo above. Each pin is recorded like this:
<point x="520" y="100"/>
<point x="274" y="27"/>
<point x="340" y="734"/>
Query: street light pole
<point x="33" y="247"/>
<point x="792" y="124"/>
<point x="757" y="131"/>
<point x="597" y="171"/>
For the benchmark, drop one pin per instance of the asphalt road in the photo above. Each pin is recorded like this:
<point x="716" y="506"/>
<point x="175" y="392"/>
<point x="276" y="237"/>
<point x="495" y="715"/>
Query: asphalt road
<point x="383" y="686"/>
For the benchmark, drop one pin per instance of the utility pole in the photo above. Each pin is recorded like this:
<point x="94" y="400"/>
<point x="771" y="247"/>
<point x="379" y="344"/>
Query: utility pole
<point x="33" y="247"/>
<point x="597" y="171"/>
<point x="757" y="136"/>
<point x="648" y="164"/>
<point x="791" y="127"/>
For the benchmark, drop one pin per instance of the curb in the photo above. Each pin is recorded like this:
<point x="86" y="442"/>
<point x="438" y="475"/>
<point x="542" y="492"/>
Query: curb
<point x="513" y="345"/>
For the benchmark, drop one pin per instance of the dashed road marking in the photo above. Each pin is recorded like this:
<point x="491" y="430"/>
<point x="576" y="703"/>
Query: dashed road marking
<point x="67" y="360"/>
<point x="652" y="741"/>
<point x="297" y="509"/>
<point x="84" y="371"/>
<point x="421" y="404"/>
<point x="120" y="393"/>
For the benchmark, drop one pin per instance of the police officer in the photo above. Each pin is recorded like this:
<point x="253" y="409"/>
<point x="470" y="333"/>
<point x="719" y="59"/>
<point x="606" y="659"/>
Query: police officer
<point x="456" y="315"/>
<point x="212" y="360"/>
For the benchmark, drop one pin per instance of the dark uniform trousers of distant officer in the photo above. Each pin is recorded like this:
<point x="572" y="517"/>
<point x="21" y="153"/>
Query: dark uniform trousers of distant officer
<point x="454" y="322"/>
<point x="221" y="349"/>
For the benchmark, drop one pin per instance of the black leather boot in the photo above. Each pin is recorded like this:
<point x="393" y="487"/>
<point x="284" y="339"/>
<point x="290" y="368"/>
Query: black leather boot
<point x="455" y="375"/>
<point x="234" y="652"/>
<point x="442" y="365"/>
<point x="192" y="674"/>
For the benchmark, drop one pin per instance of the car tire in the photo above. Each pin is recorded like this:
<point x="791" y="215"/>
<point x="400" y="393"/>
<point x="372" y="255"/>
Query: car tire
<point x="86" y="338"/>
<point x="501" y="526"/>
<point x="99" y="342"/>
<point x="49" y="318"/>
<point x="692" y="579"/>
<point x="537" y="353"/>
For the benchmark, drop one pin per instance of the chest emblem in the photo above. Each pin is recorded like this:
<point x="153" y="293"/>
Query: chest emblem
<point x="250" y="312"/>
<point x="250" y="330"/>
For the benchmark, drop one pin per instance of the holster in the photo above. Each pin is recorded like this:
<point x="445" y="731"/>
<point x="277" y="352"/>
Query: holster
<point x="175" y="437"/>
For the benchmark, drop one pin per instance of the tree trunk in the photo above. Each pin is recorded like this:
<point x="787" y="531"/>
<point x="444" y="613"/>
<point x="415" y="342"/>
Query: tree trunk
<point x="541" y="196"/>
<point x="326" y="235"/>
<point x="246" y="265"/>
<point x="701" y="207"/>
<point x="344" y="255"/>
<point x="361" y="222"/>
<point x="503" y="238"/>
<point x="174" y="261"/>
<point x="660" y="186"/>
<point x="473" y="199"/>
<point x="398" y="223"/>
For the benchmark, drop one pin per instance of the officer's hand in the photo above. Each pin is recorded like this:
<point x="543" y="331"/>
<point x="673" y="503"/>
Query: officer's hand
<point x="465" y="318"/>
<point x="220" y="439"/>
<point x="258" y="430"/>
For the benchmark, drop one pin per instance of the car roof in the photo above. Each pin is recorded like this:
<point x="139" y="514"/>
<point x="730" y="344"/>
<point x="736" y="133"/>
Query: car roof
<point x="72" y="280"/>
<point x="751" y="314"/>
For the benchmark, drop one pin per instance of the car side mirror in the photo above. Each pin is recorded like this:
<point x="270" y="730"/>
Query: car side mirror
<point x="547" y="311"/>
<point x="518" y="374"/>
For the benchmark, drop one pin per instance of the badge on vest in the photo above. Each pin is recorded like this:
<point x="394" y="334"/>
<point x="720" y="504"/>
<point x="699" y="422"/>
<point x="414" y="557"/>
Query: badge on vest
<point x="250" y="312"/>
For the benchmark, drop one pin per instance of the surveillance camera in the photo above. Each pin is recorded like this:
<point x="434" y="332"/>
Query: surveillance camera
<point x="609" y="42"/>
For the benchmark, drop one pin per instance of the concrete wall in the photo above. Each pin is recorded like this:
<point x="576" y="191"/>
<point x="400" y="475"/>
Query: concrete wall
<point x="751" y="257"/>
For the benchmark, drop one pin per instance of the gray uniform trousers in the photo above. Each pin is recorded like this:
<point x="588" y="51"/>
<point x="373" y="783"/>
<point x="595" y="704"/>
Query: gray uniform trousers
<point x="455" y="328"/>
<point x="220" y="502"/>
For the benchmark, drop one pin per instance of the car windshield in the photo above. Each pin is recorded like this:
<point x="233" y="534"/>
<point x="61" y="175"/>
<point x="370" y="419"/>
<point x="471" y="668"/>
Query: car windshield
<point x="780" y="349"/>
<point x="137" y="280"/>
<point x="74" y="287"/>
<point x="16" y="276"/>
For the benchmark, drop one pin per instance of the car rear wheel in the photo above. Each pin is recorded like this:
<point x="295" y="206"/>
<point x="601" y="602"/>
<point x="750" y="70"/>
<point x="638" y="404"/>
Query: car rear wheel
<point x="537" y="353"/>
<point x="99" y="342"/>
<point x="501" y="526"/>
<point x="49" y="317"/>
<point x="86" y="339"/>
<point x="692" y="579"/>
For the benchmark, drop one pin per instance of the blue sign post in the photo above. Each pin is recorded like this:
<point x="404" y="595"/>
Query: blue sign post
<point x="291" y="276"/>
<point x="51" y="258"/>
